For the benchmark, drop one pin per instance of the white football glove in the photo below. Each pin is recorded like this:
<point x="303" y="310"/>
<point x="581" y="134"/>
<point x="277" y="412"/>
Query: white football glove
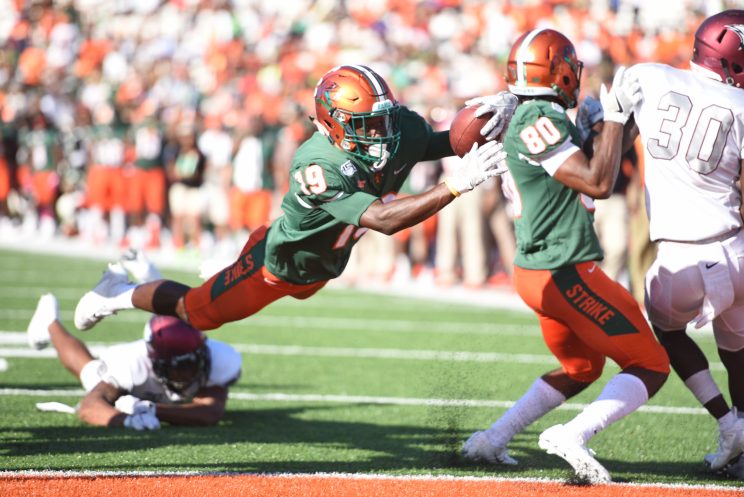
<point x="619" y="101"/>
<point x="590" y="113"/>
<point x="142" y="421"/>
<point x="477" y="166"/>
<point x="502" y="105"/>
<point x="129" y="404"/>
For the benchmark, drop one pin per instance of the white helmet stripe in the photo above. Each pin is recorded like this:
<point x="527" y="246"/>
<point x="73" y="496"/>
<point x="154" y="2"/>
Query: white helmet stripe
<point x="522" y="54"/>
<point x="374" y="80"/>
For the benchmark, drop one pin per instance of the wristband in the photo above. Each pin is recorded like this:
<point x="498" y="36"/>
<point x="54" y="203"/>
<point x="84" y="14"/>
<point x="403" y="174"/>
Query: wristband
<point x="453" y="190"/>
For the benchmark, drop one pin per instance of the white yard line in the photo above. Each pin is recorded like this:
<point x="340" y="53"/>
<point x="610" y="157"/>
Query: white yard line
<point x="365" y="399"/>
<point x="19" y="338"/>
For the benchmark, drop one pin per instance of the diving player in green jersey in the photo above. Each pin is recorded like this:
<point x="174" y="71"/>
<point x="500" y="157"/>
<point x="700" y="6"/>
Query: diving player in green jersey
<point x="342" y="183"/>
<point x="584" y="315"/>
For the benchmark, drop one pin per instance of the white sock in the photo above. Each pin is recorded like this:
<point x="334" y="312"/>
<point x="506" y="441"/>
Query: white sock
<point x="537" y="401"/>
<point x="123" y="300"/>
<point x="703" y="386"/>
<point x="623" y="394"/>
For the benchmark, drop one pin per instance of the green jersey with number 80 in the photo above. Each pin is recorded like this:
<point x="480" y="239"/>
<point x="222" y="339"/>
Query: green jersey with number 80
<point x="329" y="190"/>
<point x="553" y="223"/>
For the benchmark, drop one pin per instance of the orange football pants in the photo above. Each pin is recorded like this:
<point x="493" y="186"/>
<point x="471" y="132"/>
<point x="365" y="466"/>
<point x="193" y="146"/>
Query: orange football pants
<point x="585" y="317"/>
<point x="241" y="289"/>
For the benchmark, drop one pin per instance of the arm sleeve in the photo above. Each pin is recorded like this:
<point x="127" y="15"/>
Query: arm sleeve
<point x="438" y="146"/>
<point x="552" y="161"/>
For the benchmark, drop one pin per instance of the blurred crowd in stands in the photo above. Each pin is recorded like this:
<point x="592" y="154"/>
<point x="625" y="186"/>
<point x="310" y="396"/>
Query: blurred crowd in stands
<point x="171" y="125"/>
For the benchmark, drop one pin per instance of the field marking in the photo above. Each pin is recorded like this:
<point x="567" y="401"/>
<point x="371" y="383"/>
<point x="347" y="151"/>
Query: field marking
<point x="357" y="476"/>
<point x="154" y="484"/>
<point x="96" y="348"/>
<point x="364" y="399"/>
<point x="335" y="297"/>
<point x="335" y="323"/>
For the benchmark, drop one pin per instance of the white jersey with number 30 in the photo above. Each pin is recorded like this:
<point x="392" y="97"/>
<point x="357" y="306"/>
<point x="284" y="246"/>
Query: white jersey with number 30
<point x="692" y="129"/>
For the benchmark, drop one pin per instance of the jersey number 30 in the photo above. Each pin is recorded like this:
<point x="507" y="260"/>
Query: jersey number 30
<point x="708" y="133"/>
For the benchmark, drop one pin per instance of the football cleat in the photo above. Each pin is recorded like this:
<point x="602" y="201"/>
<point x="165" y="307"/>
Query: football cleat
<point x="47" y="311"/>
<point x="730" y="446"/>
<point x="479" y="448"/>
<point x="559" y="441"/>
<point x="735" y="469"/>
<point x="100" y="302"/>
<point x="139" y="266"/>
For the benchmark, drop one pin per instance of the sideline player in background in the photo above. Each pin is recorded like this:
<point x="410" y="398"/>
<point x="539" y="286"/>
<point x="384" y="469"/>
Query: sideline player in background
<point x="342" y="183"/>
<point x="174" y="374"/>
<point x="585" y="316"/>
<point x="691" y="125"/>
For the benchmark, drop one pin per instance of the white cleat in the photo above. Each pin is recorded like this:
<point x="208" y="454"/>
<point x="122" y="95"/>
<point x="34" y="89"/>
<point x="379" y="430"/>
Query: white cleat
<point x="139" y="266"/>
<point x="730" y="446"/>
<point x="564" y="444"/>
<point x="479" y="448"/>
<point x="99" y="302"/>
<point x="47" y="311"/>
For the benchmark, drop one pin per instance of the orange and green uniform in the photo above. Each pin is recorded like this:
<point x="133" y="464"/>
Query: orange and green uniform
<point x="311" y="242"/>
<point x="585" y="316"/>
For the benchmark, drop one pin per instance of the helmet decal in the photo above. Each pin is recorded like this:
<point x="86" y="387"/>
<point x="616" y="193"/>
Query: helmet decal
<point x="523" y="54"/>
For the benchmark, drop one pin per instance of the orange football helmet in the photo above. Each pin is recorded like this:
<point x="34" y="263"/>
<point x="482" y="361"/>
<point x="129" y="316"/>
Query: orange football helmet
<point x="357" y="110"/>
<point x="544" y="62"/>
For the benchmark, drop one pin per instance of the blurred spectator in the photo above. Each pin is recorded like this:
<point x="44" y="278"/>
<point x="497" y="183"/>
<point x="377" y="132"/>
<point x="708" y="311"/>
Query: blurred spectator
<point x="501" y="231"/>
<point x="185" y="63"/>
<point x="461" y="241"/>
<point x="250" y="194"/>
<point x="217" y="146"/>
<point x="146" y="181"/>
<point x="185" y="196"/>
<point x="42" y="153"/>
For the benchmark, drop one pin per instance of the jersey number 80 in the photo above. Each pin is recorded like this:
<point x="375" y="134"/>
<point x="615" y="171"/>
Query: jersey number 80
<point x="538" y="136"/>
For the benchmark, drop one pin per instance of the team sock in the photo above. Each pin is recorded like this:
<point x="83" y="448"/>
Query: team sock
<point x="623" y="394"/>
<point x="537" y="401"/>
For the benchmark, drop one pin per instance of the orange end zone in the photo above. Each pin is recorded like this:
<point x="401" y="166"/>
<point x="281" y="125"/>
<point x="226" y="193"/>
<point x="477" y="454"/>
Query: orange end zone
<point x="329" y="485"/>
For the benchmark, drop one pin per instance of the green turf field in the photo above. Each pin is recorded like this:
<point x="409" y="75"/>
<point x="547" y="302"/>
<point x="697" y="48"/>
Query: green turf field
<point x="344" y="382"/>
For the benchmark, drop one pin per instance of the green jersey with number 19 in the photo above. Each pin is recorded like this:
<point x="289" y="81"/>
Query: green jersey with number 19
<point x="328" y="193"/>
<point x="553" y="223"/>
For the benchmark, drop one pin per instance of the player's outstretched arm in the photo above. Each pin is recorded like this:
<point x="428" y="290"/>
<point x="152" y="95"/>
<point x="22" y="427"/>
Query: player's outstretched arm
<point x="477" y="166"/>
<point x="391" y="217"/>
<point x="206" y="409"/>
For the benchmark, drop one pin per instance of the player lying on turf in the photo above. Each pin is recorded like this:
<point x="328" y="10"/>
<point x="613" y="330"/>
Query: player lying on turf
<point x="174" y="375"/>
<point x="342" y="183"/>
<point x="584" y="315"/>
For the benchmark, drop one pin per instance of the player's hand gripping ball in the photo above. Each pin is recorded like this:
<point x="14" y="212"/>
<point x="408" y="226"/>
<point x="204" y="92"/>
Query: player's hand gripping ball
<point x="466" y="130"/>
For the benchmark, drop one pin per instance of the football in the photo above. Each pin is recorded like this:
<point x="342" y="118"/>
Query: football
<point x="465" y="130"/>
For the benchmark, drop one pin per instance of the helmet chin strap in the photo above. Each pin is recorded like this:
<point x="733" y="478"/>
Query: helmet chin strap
<point x="378" y="150"/>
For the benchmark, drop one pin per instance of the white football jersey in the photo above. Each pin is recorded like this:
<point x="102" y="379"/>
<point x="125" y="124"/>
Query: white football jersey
<point x="127" y="366"/>
<point x="692" y="130"/>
